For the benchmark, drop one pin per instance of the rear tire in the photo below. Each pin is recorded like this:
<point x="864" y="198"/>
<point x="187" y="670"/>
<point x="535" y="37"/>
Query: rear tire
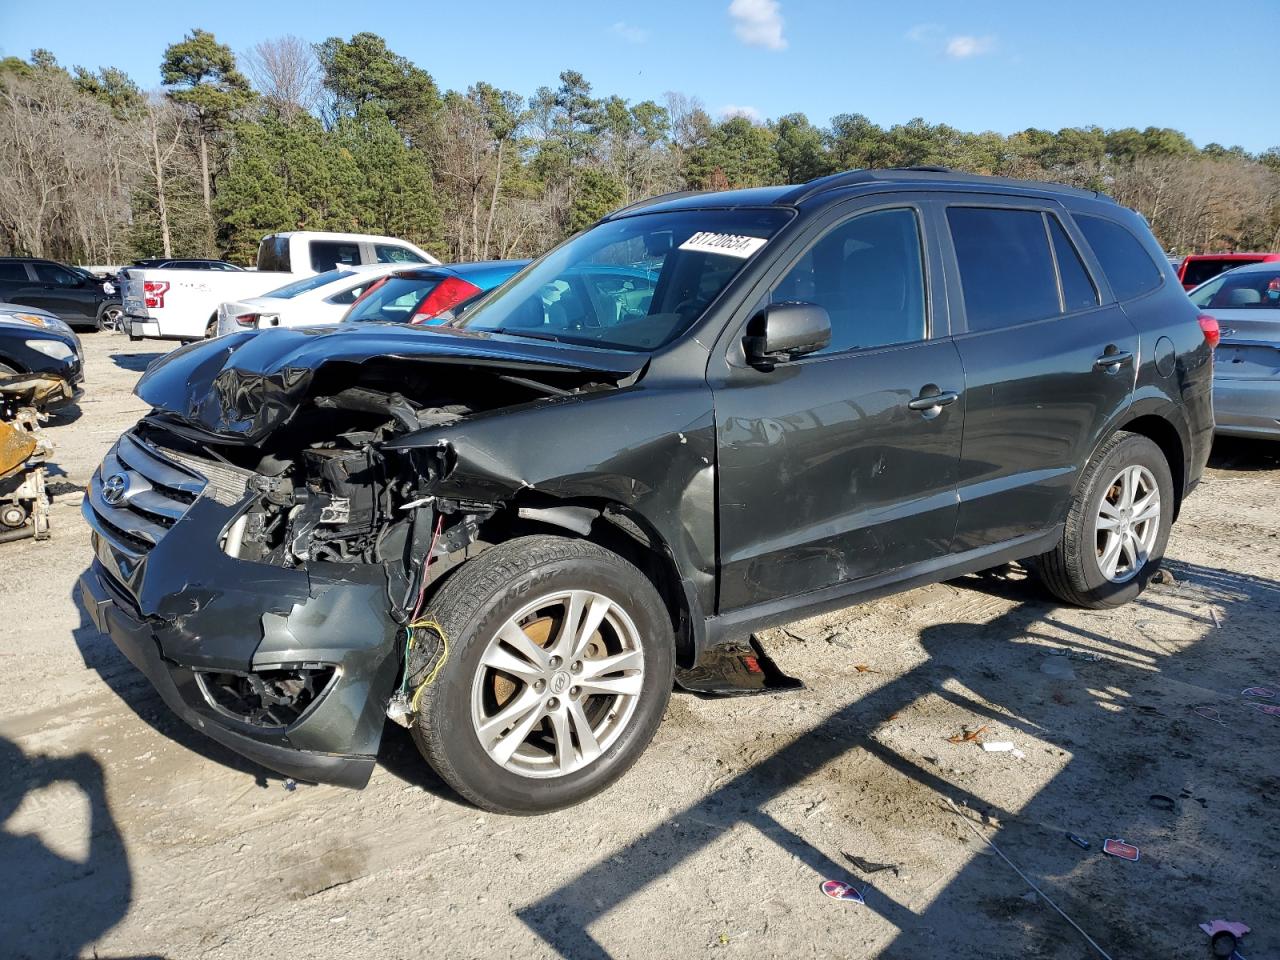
<point x="1117" y="527"/>
<point x="508" y="722"/>
<point x="109" y="319"/>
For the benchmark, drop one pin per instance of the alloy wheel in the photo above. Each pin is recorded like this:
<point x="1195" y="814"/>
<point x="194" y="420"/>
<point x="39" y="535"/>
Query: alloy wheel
<point x="1128" y="523"/>
<point x="558" y="684"/>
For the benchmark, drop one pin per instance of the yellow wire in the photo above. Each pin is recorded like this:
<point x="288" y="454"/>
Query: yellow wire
<point x="435" y="671"/>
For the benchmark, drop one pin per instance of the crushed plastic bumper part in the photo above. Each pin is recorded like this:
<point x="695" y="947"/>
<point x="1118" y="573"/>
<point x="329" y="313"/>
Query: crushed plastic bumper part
<point x="335" y="737"/>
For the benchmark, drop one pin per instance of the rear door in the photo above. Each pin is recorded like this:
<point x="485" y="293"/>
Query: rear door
<point x="16" y="283"/>
<point x="835" y="466"/>
<point x="1049" y="362"/>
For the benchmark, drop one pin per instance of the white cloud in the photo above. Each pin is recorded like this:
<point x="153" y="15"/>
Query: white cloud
<point x="758" y="23"/>
<point x="964" y="46"/>
<point x="733" y="110"/>
<point x="925" y="32"/>
<point x="629" y="32"/>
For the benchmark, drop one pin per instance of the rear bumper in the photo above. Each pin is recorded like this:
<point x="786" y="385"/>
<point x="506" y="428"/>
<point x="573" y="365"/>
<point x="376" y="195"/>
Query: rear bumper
<point x="1247" y="408"/>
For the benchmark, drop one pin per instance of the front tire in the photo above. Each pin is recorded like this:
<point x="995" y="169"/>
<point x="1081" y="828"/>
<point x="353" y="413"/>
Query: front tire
<point x="559" y="667"/>
<point x="1117" y="528"/>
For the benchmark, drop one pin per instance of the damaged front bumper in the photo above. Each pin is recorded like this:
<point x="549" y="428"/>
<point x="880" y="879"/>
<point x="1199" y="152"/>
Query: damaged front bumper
<point x="291" y="668"/>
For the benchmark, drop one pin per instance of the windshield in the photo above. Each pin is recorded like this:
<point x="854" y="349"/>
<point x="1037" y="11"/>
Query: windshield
<point x="631" y="284"/>
<point x="393" y="301"/>
<point x="291" y="290"/>
<point x="1240" y="289"/>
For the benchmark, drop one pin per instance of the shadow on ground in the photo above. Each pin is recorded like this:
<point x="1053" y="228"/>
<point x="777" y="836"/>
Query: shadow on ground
<point x="135" y="691"/>
<point x="138" y="362"/>
<point x="1145" y="705"/>
<point x="88" y="895"/>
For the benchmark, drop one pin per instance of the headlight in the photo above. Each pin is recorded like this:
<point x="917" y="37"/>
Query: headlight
<point x="52" y="348"/>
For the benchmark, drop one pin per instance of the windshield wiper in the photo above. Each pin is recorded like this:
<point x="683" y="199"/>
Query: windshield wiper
<point x="531" y="334"/>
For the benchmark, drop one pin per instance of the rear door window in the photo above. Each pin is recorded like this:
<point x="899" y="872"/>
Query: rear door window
<point x="1006" y="269"/>
<point x="1124" y="259"/>
<point x="14" y="271"/>
<point x="327" y="254"/>
<point x="1078" y="291"/>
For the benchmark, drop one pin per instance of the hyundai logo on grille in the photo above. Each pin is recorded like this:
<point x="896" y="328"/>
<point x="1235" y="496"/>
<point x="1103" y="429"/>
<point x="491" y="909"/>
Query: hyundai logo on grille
<point x="114" y="488"/>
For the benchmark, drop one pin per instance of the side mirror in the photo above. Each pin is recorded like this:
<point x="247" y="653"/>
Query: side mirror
<point x="785" y="331"/>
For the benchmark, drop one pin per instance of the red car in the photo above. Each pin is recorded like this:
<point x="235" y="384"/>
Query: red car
<point x="1199" y="267"/>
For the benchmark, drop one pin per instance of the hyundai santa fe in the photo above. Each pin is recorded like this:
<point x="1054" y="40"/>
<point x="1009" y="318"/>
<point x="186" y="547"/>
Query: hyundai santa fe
<point x="707" y="414"/>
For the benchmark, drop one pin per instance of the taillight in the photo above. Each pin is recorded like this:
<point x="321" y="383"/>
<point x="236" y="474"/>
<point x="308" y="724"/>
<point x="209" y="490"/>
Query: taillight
<point x="247" y="319"/>
<point x="449" y="292"/>
<point x="1209" y="326"/>
<point x="153" y="293"/>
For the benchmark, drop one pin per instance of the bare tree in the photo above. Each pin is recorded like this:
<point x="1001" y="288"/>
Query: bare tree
<point x="286" y="73"/>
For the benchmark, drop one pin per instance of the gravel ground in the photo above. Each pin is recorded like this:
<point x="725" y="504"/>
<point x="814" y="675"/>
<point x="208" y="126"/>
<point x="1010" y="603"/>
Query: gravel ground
<point x="125" y="834"/>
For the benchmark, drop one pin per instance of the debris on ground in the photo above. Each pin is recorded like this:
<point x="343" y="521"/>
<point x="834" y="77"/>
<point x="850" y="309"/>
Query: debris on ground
<point x="1270" y="709"/>
<point x="1209" y="713"/>
<point x="1224" y="936"/>
<point x="1079" y="841"/>
<point x="1087" y="656"/>
<point x="1262" y="693"/>
<point x="868" y="866"/>
<point x="839" y="890"/>
<point x="1056" y="666"/>
<point x="967" y="736"/>
<point x="1159" y="801"/>
<point x="291" y="784"/>
<point x="1121" y="849"/>
<point x="1003" y="746"/>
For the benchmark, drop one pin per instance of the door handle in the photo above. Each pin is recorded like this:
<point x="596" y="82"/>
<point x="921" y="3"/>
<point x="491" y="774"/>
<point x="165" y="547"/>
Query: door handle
<point x="924" y="403"/>
<point x="1112" y="361"/>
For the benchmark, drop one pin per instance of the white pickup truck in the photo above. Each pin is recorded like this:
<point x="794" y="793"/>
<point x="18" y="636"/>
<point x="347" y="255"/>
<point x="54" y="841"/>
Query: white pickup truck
<point x="175" y="304"/>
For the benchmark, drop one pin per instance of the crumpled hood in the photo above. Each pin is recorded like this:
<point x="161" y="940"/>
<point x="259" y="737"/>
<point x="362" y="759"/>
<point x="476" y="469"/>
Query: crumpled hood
<point x="243" y="386"/>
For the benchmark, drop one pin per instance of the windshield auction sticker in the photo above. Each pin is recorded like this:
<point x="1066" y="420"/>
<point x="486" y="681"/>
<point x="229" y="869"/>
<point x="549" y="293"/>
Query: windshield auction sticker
<point x="726" y="243"/>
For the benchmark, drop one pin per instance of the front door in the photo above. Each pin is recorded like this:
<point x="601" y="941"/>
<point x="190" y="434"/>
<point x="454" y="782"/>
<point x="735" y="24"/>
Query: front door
<point x="65" y="294"/>
<point x="842" y="464"/>
<point x="1048" y="366"/>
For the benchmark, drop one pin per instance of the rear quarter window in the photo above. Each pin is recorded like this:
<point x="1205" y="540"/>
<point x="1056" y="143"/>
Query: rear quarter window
<point x="13" y="271"/>
<point x="1124" y="259"/>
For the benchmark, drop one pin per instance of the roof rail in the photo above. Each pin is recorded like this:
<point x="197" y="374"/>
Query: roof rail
<point x="888" y="174"/>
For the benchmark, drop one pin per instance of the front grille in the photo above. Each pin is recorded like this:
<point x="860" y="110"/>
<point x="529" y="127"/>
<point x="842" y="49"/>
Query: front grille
<point x="152" y="488"/>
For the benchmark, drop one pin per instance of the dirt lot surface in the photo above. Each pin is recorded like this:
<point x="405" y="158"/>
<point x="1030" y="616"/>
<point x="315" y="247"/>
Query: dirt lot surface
<point x="123" y="833"/>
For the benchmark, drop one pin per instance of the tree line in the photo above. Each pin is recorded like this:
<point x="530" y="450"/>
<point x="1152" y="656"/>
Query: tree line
<point x="349" y="135"/>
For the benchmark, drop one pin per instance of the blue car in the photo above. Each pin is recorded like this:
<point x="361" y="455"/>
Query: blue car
<point x="421" y="295"/>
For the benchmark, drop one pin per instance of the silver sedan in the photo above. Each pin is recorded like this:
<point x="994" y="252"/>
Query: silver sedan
<point x="1246" y="377"/>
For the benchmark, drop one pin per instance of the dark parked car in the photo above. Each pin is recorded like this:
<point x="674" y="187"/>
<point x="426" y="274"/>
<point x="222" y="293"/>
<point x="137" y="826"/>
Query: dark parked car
<point x="707" y="414"/>
<point x="420" y="295"/>
<point x="35" y="342"/>
<point x="67" y="292"/>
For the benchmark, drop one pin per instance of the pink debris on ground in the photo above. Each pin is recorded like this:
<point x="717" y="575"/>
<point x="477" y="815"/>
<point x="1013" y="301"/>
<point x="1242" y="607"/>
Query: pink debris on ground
<point x="1233" y="927"/>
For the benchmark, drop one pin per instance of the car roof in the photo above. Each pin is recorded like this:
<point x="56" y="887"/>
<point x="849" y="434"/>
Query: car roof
<point x="1260" y="266"/>
<point x="853" y="181"/>
<point x="1254" y="257"/>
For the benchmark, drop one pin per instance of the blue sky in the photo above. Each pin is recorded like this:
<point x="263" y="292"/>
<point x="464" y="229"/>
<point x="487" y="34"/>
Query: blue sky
<point x="979" y="66"/>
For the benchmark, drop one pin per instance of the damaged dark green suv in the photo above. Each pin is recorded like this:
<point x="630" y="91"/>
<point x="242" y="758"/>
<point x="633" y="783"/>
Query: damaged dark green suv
<point x="707" y="414"/>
